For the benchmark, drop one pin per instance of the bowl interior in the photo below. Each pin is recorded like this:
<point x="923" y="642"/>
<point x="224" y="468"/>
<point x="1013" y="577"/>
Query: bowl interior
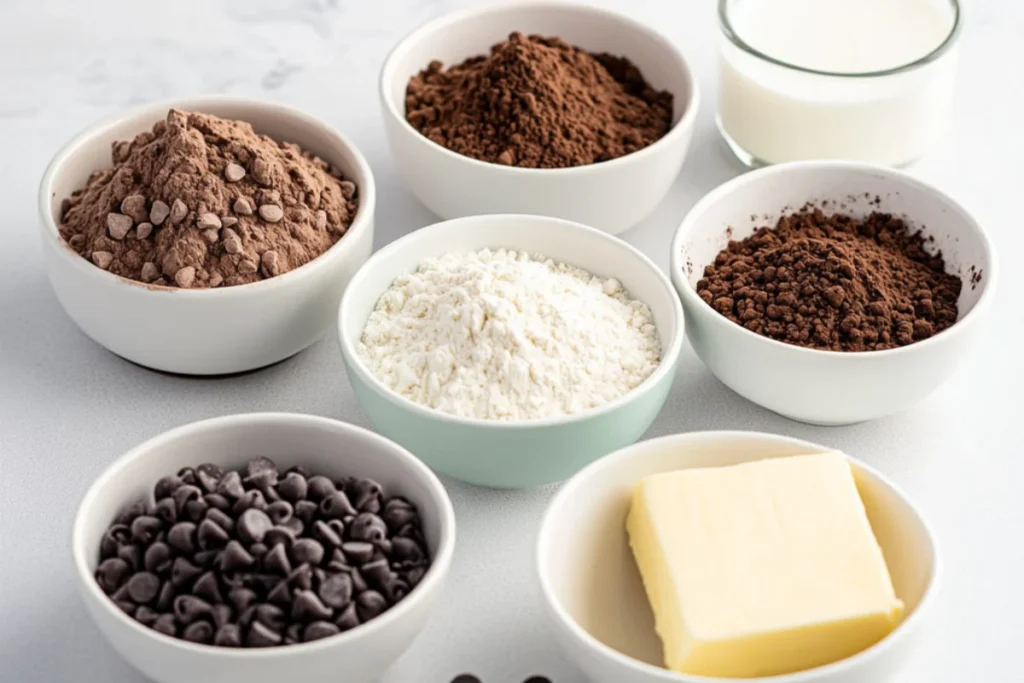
<point x="587" y="248"/>
<point x="324" y="446"/>
<point x="92" y="150"/>
<point x="588" y="568"/>
<point x="737" y="209"/>
<point x="466" y="34"/>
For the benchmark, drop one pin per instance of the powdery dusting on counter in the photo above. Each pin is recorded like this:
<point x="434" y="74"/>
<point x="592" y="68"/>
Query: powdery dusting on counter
<point x="504" y="335"/>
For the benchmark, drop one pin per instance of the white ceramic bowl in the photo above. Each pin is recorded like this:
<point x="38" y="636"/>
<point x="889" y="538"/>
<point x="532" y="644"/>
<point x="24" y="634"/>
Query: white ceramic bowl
<point x="214" y="331"/>
<point x="594" y="597"/>
<point x="325" y="446"/>
<point x="829" y="387"/>
<point x="522" y="452"/>
<point x="611" y="196"/>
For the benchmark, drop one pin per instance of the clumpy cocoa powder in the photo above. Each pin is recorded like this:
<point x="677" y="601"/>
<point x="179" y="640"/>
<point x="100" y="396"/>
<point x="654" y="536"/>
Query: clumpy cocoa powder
<point x="834" y="282"/>
<point x="538" y="102"/>
<point x="205" y="202"/>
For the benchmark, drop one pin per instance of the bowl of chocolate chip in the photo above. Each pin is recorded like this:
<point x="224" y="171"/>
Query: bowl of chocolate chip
<point x="543" y="108"/>
<point x="206" y="236"/>
<point x="832" y="292"/>
<point x="252" y="547"/>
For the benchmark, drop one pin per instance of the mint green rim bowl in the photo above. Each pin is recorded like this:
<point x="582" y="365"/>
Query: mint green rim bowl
<point x="521" y="453"/>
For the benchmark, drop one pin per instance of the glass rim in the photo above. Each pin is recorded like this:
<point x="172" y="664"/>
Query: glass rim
<point x="727" y="29"/>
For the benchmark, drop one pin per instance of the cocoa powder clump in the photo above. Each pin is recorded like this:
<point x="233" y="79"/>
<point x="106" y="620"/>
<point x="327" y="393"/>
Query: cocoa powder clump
<point x="834" y="282"/>
<point x="202" y="202"/>
<point x="538" y="102"/>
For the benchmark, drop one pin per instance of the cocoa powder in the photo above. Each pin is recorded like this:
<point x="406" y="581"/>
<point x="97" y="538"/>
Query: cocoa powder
<point x="205" y="202"/>
<point x="834" y="282"/>
<point x="538" y="102"/>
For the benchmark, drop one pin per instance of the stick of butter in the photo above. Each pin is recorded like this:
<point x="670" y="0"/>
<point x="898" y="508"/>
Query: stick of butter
<point x="759" y="569"/>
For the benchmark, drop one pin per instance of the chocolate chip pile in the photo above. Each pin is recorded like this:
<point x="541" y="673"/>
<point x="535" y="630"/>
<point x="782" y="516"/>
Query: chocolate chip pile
<point x="834" y="282"/>
<point x="538" y="102"/>
<point x="261" y="558"/>
<point x="207" y="202"/>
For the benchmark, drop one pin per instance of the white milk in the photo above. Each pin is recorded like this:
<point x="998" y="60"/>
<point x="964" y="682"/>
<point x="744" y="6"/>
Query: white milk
<point x="772" y="113"/>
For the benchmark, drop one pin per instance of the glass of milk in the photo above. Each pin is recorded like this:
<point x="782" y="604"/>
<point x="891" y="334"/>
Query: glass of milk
<point x="866" y="80"/>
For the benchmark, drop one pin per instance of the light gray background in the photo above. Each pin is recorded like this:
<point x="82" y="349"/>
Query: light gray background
<point x="68" y="407"/>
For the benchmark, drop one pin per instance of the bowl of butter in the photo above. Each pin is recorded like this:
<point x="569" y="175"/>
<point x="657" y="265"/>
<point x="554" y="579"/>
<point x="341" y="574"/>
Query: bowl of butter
<point x="735" y="555"/>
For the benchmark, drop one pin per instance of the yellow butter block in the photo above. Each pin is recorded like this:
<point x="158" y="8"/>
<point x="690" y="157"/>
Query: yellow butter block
<point x="764" y="568"/>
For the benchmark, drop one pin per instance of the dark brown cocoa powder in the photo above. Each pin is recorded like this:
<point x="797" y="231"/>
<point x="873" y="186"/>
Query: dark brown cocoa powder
<point x="205" y="202"/>
<point x="834" y="282"/>
<point x="538" y="102"/>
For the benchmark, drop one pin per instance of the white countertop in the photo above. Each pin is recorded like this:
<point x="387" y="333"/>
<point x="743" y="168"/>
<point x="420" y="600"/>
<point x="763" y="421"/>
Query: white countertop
<point x="68" y="407"/>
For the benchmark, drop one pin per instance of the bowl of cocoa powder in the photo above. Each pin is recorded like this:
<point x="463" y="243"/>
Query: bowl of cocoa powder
<point x="540" y="108"/>
<point x="832" y="292"/>
<point x="206" y="236"/>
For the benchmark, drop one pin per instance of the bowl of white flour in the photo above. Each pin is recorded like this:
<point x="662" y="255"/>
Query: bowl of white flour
<point x="510" y="350"/>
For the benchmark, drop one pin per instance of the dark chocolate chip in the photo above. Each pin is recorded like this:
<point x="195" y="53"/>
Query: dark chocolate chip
<point x="358" y="582"/>
<point x="157" y="558"/>
<point x="338" y="562"/>
<point x="465" y="678"/>
<point x="368" y="527"/>
<point x="187" y="476"/>
<point x="318" y="630"/>
<point x="183" y="494"/>
<point x="166" y="511"/>
<point x="188" y="608"/>
<point x="364" y="494"/>
<point x="165" y="487"/>
<point x="252" y="499"/>
<point x="235" y="557"/>
<point x="276" y="560"/>
<point x="370" y="604"/>
<point x="196" y="509"/>
<point x="398" y="512"/>
<point x="318" y="488"/>
<point x="271" y="495"/>
<point x="301" y="577"/>
<point x="198" y="632"/>
<point x="279" y="511"/>
<point x="357" y="552"/>
<point x="242" y="598"/>
<point x="395" y="589"/>
<point x="280" y="594"/>
<point x="261" y="464"/>
<point x="246" y="617"/>
<point x="293" y="487"/>
<point x="211" y="535"/>
<point x="183" y="571"/>
<point x="293" y="632"/>
<point x="349" y="619"/>
<point x="261" y="636"/>
<point x="181" y="537"/>
<point x="166" y="624"/>
<point x="305" y="510"/>
<point x="126" y="606"/>
<point x="264" y="481"/>
<point x="132" y="554"/>
<point x="319" y="576"/>
<point x="414" y="576"/>
<point x="130" y="513"/>
<point x="228" y="635"/>
<point x="279" y="535"/>
<point x="207" y="558"/>
<point x="112" y="573"/>
<point x="406" y="550"/>
<point x="295" y="525"/>
<point x="258" y="550"/>
<point x="216" y="500"/>
<point x="253" y="525"/>
<point x="165" y="601"/>
<point x="209" y="475"/>
<point x="222" y="615"/>
<point x="230" y="486"/>
<point x="146" y="615"/>
<point x="308" y="607"/>
<point x="206" y="588"/>
<point x="221" y="519"/>
<point x="271" y="615"/>
<point x="299" y="470"/>
<point x="116" y="536"/>
<point x="330" y="534"/>
<point x="336" y="506"/>
<point x="377" y="573"/>
<point x="336" y="590"/>
<point x="145" y="528"/>
<point x="307" y="551"/>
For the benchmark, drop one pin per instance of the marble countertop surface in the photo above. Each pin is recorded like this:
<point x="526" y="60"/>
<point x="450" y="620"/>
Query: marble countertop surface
<point x="68" y="407"/>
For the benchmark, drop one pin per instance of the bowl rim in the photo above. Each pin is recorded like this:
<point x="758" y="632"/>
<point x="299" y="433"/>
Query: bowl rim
<point x="669" y="355"/>
<point x="675" y="133"/>
<point x="432" y="580"/>
<point x="361" y="223"/>
<point x="584" y="638"/>
<point x="688" y="293"/>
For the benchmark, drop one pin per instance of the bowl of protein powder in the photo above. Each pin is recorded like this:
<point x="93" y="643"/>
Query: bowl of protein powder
<point x="510" y="350"/>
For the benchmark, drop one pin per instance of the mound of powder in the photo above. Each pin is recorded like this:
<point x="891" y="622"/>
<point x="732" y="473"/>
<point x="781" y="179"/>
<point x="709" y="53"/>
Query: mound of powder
<point x="834" y="282"/>
<point x="202" y="202"/>
<point x="540" y="103"/>
<point x="503" y="335"/>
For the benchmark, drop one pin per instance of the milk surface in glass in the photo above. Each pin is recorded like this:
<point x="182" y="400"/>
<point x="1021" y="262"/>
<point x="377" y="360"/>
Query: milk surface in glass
<point x="868" y="80"/>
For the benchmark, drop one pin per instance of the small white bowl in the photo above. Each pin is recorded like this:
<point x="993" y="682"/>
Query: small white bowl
<point x="595" y="600"/>
<point x="612" y="195"/>
<point x="810" y="385"/>
<point x="211" y="331"/>
<point x="515" y="453"/>
<point x="324" y="446"/>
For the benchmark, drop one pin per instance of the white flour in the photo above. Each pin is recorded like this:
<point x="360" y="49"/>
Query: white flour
<point x="503" y="335"/>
